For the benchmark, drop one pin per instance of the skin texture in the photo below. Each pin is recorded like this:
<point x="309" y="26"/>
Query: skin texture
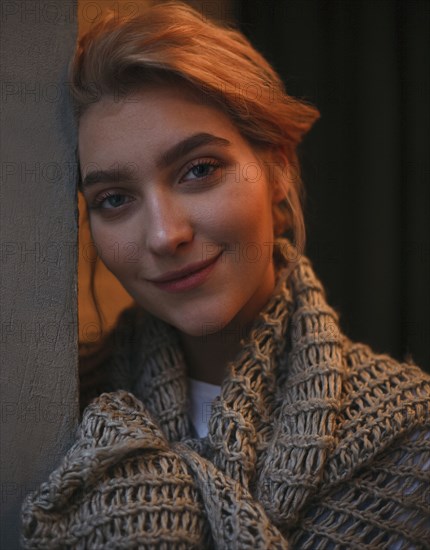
<point x="167" y="217"/>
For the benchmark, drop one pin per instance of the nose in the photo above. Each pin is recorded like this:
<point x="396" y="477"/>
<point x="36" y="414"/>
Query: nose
<point x="168" y="225"/>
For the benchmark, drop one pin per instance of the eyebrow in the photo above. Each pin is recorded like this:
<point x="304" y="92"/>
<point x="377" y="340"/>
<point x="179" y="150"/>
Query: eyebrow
<point x="166" y="159"/>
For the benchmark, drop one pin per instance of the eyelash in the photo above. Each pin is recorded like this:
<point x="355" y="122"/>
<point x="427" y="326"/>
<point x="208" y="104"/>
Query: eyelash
<point x="97" y="203"/>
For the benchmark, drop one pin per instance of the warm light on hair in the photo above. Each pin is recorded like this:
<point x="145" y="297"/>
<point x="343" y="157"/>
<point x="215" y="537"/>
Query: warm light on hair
<point x="172" y="42"/>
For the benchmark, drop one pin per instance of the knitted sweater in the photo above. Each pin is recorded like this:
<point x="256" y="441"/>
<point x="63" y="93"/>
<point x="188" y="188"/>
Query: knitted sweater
<point x="314" y="442"/>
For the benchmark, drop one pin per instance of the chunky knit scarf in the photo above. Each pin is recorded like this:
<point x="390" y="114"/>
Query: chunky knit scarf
<point x="314" y="442"/>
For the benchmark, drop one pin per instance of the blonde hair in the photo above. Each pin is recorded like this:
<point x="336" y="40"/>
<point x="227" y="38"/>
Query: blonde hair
<point x="172" y="42"/>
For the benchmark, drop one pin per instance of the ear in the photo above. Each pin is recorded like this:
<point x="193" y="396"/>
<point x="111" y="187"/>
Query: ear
<point x="279" y="174"/>
<point x="280" y="189"/>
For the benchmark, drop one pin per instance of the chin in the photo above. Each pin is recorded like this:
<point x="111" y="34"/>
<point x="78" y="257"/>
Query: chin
<point x="201" y="326"/>
<point x="200" y="329"/>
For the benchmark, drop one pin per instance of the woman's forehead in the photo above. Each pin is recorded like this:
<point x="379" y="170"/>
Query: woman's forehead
<point x="152" y="113"/>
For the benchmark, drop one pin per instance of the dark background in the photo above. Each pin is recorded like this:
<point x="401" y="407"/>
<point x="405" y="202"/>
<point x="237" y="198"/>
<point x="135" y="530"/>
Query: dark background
<point x="365" y="66"/>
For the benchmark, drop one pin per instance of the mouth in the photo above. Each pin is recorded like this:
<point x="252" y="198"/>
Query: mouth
<point x="187" y="278"/>
<point x="184" y="272"/>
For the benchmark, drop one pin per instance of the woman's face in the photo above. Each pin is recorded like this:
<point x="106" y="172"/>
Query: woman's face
<point x="172" y="187"/>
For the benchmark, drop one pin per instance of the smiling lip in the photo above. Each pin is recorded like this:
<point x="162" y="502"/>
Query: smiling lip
<point x="187" y="278"/>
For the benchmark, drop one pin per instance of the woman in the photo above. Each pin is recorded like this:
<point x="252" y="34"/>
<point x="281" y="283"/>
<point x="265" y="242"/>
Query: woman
<point x="311" y="441"/>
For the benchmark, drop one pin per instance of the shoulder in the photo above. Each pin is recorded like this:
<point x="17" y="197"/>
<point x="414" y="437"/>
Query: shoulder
<point x="385" y="405"/>
<point x="375" y="487"/>
<point x="376" y="385"/>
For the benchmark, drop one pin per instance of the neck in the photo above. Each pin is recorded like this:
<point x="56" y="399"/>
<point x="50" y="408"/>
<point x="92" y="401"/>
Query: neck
<point x="207" y="357"/>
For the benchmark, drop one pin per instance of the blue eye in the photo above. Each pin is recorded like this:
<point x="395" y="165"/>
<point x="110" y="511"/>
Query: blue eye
<point x="115" y="200"/>
<point x="112" y="200"/>
<point x="201" y="169"/>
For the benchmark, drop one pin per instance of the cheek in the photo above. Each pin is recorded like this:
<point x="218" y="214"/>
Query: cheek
<point x="112" y="250"/>
<point x="247" y="210"/>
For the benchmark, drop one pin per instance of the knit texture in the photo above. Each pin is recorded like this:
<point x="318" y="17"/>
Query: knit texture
<point x="314" y="442"/>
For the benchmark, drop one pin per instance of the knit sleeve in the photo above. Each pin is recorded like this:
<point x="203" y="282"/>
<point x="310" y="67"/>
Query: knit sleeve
<point x="384" y="505"/>
<point x="119" y="486"/>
